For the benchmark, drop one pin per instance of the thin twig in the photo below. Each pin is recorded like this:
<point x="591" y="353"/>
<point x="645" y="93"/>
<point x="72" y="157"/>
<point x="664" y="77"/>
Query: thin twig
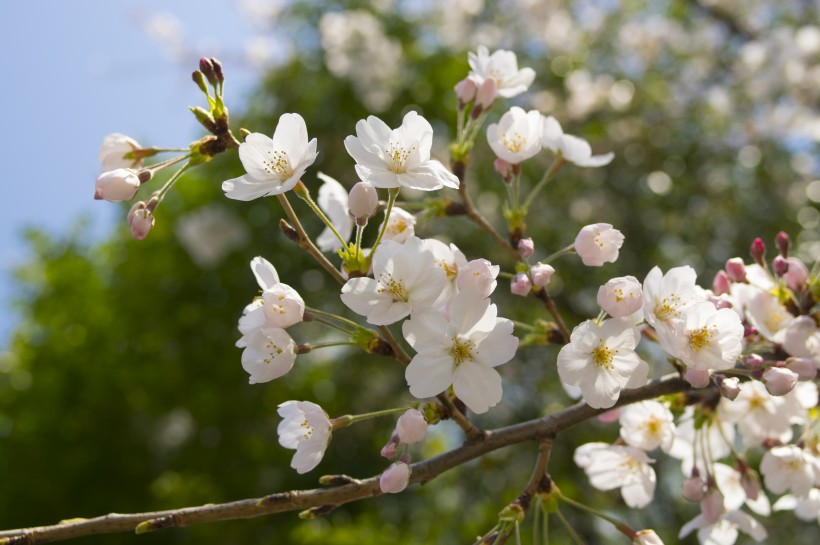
<point x="540" y="469"/>
<point x="547" y="426"/>
<point x="472" y="432"/>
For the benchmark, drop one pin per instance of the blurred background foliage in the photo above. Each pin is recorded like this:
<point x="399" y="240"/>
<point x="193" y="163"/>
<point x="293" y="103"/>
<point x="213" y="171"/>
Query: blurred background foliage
<point x="121" y="389"/>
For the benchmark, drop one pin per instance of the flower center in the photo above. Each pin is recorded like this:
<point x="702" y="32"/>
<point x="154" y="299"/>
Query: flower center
<point x="394" y="288"/>
<point x="702" y="338"/>
<point x="450" y="269"/>
<point x="653" y="426"/>
<point x="273" y="351"/>
<point x="398" y="155"/>
<point x="307" y="427"/>
<point x="602" y="355"/>
<point x="278" y="164"/>
<point x="667" y="308"/>
<point x="462" y="350"/>
<point x="514" y="142"/>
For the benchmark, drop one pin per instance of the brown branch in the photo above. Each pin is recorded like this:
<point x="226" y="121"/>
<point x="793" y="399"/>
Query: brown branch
<point x="422" y="472"/>
<point x="549" y="304"/>
<point x="539" y="472"/>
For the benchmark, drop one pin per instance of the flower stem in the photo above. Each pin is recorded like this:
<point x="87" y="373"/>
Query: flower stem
<point x="568" y="250"/>
<point x="359" y="232"/>
<point x="333" y="316"/>
<point x="348" y="419"/>
<point x="575" y="537"/>
<point x="328" y="345"/>
<point x="619" y="525"/>
<point x="393" y="192"/>
<point x="171" y="181"/>
<point x="548" y="175"/>
<point x="337" y="327"/>
<point x="303" y="193"/>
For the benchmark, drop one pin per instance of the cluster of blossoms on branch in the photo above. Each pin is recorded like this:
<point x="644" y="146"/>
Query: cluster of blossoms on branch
<point x="749" y="346"/>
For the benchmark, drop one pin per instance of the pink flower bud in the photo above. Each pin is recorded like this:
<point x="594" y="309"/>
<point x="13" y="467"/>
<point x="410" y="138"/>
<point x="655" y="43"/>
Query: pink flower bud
<point x="797" y="274"/>
<point x="646" y="537"/>
<point x="503" y="168"/>
<point x="750" y="483"/>
<point x="729" y="387"/>
<point x="779" y="380"/>
<point x="389" y="450"/>
<point x="141" y="220"/>
<point x="698" y="378"/>
<point x="753" y="361"/>
<point x="411" y="427"/>
<point x="783" y="242"/>
<point x="117" y="185"/>
<point x="693" y="487"/>
<point x="736" y="270"/>
<point x="395" y="478"/>
<point x="466" y="90"/>
<point x="363" y="200"/>
<point x="541" y="274"/>
<point x="720" y="284"/>
<point x="780" y="265"/>
<point x="711" y="506"/>
<point x="485" y="96"/>
<point x="521" y="284"/>
<point x="805" y="368"/>
<point x="478" y="275"/>
<point x="758" y="251"/>
<point x="597" y="244"/>
<point x="526" y="247"/>
<point x="621" y="296"/>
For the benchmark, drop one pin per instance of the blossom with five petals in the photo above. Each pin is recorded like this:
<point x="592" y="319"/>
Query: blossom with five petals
<point x="615" y="466"/>
<point x="517" y="135"/>
<point x="502" y="66"/>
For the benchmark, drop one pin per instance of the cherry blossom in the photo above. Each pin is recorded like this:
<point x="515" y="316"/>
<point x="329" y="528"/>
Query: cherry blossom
<point x="406" y="278"/>
<point x="400" y="225"/>
<point x="598" y="243"/>
<point x="306" y="428"/>
<point x="279" y="306"/>
<point x="517" y="135"/>
<point x="113" y="149"/>
<point x="117" y="185"/>
<point x="395" y="478"/>
<point x="411" y="427"/>
<point x="269" y="354"/>
<point x="805" y="508"/>
<point x="646" y="537"/>
<point x="615" y="466"/>
<point x="572" y="148"/>
<point x="707" y="338"/>
<point x="647" y="425"/>
<point x="725" y="530"/>
<point x="462" y="348"/>
<point x="399" y="157"/>
<point x="790" y="468"/>
<point x="363" y="200"/>
<point x="502" y="66"/>
<point x="601" y="361"/>
<point x="273" y="166"/>
<point x="621" y="296"/>
<point x="478" y="275"/>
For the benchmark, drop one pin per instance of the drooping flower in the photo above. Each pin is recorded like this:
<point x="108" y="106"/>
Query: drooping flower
<point x="462" y="348"/>
<point x="598" y="243"/>
<point x="615" y="466"/>
<point x="269" y="354"/>
<point x="411" y="427"/>
<point x="621" y="296"/>
<point x="708" y="339"/>
<point x="399" y="157"/>
<point x="601" y="361"/>
<point x="725" y="530"/>
<point x="572" y="148"/>
<point x="141" y="220"/>
<point x="334" y="203"/>
<point x="279" y="306"/>
<point x="502" y="66"/>
<point x="647" y="425"/>
<point x="273" y="166"/>
<point x="306" y="428"/>
<point x="517" y="135"/>
<point x="113" y="149"/>
<point x="406" y="278"/>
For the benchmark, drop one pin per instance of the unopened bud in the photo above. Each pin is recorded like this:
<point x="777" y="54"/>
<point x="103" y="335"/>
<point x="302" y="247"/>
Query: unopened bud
<point x="753" y="361"/>
<point x="117" y="185"/>
<point x="698" y="378"/>
<point x="758" y="251"/>
<point x="805" y="368"/>
<point x="797" y="274"/>
<point x="204" y="117"/>
<point x="503" y="168"/>
<point x="485" y="96"/>
<point x="783" y="243"/>
<point x="711" y="506"/>
<point x="389" y="450"/>
<point x="720" y="284"/>
<point x="693" y="487"/>
<point x="521" y="284"/>
<point x="141" y="220"/>
<point x="207" y="68"/>
<point x="541" y="274"/>
<point x="363" y="200"/>
<point x="466" y="90"/>
<point x="411" y="427"/>
<point x="779" y="380"/>
<point x="736" y="270"/>
<point x="646" y="537"/>
<point x="395" y="478"/>
<point x="220" y="75"/>
<point x="199" y="79"/>
<point x="750" y="483"/>
<point x="729" y="387"/>
<point x="526" y="247"/>
<point x="288" y="231"/>
<point x="780" y="265"/>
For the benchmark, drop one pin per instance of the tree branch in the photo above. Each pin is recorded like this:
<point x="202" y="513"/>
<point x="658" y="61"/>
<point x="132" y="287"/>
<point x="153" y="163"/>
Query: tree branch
<point x="422" y="472"/>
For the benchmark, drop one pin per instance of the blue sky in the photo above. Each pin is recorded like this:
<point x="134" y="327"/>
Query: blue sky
<point x="73" y="72"/>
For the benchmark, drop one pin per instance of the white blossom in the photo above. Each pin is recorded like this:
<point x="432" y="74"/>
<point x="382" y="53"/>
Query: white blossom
<point x="273" y="166"/>
<point x="333" y="202"/>
<point x="615" y="466"/>
<point x="306" y="428"/>
<point x="598" y="243"/>
<point x="759" y="415"/>
<point x="395" y="478"/>
<point x="646" y="537"/>
<point x="401" y="225"/>
<point x="621" y="297"/>
<point x="517" y="135"/>
<point x="601" y="361"/>
<point x="707" y="338"/>
<point x="725" y="530"/>
<point x="406" y="278"/>
<point x="269" y="353"/>
<point x="462" y="348"/>
<point x="117" y="185"/>
<point x="805" y="508"/>
<point x="790" y="468"/>
<point x="647" y="425"/>
<point x="502" y="66"/>
<point x="478" y="275"/>
<point x="113" y="149"/>
<point x="399" y="157"/>
<point x="572" y="148"/>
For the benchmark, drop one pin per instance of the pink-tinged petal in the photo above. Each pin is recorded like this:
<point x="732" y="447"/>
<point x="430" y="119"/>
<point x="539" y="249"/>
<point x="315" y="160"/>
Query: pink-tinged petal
<point x="428" y="176"/>
<point x="428" y="376"/>
<point x="373" y="132"/>
<point x="640" y="493"/>
<point x="478" y="386"/>
<point x="749" y="525"/>
<point x="639" y="376"/>
<point x="265" y="273"/>
<point x="252" y="320"/>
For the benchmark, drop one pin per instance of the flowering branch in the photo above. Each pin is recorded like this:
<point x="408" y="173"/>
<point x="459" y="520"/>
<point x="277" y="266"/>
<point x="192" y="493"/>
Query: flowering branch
<point x="422" y="472"/>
